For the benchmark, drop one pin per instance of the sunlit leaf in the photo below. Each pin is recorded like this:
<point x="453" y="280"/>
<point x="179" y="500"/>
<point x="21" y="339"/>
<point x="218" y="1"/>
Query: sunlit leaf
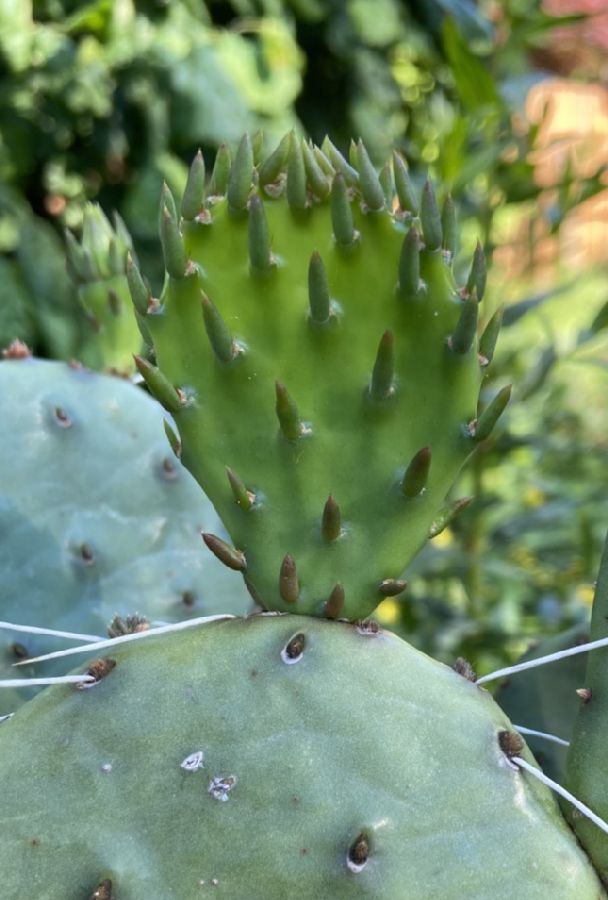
<point x="474" y="82"/>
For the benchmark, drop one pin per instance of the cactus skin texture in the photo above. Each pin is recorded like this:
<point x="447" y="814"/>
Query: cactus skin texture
<point x="97" y="266"/>
<point x="97" y="516"/>
<point x="586" y="763"/>
<point x="309" y="341"/>
<point x="361" y="768"/>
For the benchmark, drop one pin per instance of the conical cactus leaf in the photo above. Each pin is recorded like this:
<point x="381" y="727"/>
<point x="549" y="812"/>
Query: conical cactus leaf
<point x="356" y="350"/>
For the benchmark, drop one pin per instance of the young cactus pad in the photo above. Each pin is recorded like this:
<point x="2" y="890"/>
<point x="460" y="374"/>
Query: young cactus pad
<point x="322" y="368"/>
<point x="275" y="757"/>
<point x="97" y="266"/>
<point x="97" y="516"/>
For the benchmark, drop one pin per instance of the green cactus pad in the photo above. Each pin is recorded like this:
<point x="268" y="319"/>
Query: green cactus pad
<point x="586" y="762"/>
<point x="276" y="757"/>
<point x="98" y="268"/>
<point x="313" y="349"/>
<point x="97" y="516"/>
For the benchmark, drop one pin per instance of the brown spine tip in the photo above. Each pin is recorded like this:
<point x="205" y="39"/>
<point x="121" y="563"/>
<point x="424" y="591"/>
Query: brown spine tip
<point x="358" y="853"/>
<point x="169" y="471"/>
<point x="585" y="694"/>
<point x="129" y="625"/>
<point x="289" y="587"/>
<point x="293" y="650"/>
<point x="463" y="667"/>
<point x="417" y="473"/>
<point x="98" y="669"/>
<point x="510" y="743"/>
<point x="232" y="558"/>
<point x="331" y="523"/>
<point x="17" y="350"/>
<point x="390" y="587"/>
<point x="188" y="598"/>
<point x="367" y="627"/>
<point x="61" y="417"/>
<point x="86" y="555"/>
<point x="335" y="604"/>
<point x="103" y="891"/>
<point x="20" y="651"/>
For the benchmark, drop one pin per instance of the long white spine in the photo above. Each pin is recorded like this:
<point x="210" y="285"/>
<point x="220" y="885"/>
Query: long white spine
<point x="543" y="660"/>
<point x="584" y="810"/>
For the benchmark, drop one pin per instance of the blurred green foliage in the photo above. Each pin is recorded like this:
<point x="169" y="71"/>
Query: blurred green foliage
<point x="105" y="100"/>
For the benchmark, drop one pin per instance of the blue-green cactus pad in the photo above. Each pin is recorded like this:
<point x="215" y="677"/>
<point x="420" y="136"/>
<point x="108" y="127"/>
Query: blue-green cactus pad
<point x="361" y="769"/>
<point x="97" y="516"/>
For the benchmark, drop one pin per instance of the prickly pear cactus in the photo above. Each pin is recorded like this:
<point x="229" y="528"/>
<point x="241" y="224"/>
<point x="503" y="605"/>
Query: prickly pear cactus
<point x="97" y="516"/>
<point x="97" y="266"/>
<point x="276" y="757"/>
<point x="321" y="364"/>
<point x="586" y="762"/>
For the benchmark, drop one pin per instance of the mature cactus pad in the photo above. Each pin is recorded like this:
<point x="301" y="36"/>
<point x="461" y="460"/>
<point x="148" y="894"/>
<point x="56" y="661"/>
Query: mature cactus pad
<point x="97" y="516"/>
<point x="326" y="368"/>
<point x="276" y="757"/>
